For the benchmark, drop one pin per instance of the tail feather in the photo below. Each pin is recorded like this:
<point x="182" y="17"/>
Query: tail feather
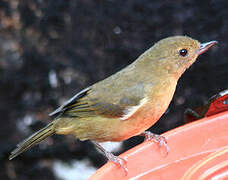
<point x="32" y="140"/>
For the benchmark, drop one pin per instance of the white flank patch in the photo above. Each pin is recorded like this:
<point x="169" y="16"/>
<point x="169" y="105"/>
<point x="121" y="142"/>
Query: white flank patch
<point x="131" y="110"/>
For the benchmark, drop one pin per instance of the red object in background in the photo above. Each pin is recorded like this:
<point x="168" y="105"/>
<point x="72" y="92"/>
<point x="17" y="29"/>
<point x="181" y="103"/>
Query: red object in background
<point x="216" y="104"/>
<point x="219" y="103"/>
<point x="198" y="150"/>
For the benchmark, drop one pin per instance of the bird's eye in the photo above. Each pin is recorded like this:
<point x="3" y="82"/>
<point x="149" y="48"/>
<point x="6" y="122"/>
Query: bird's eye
<point x="183" y="52"/>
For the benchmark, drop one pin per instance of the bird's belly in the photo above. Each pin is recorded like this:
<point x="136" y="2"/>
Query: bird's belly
<point x="139" y="123"/>
<point x="104" y="129"/>
<point x="119" y="130"/>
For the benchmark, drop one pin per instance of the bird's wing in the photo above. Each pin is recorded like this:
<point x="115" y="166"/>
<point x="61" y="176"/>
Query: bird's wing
<point x="91" y="102"/>
<point x="71" y="102"/>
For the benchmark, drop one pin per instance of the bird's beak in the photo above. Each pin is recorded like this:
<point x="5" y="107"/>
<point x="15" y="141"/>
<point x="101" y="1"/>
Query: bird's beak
<point x="205" y="46"/>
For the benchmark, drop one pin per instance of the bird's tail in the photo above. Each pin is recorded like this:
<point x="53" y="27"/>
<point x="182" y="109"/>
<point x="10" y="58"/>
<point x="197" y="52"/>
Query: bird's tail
<point x="33" y="139"/>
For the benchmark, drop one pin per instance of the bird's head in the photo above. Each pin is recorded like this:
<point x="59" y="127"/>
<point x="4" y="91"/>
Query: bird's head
<point x="175" y="54"/>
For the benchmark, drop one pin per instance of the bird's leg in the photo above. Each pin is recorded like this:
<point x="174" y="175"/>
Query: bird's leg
<point x="161" y="140"/>
<point x="111" y="157"/>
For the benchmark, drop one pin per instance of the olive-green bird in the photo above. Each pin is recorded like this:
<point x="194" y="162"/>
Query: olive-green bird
<point x="126" y="103"/>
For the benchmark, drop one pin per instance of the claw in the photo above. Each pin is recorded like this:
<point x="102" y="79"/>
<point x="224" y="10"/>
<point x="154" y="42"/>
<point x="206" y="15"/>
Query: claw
<point x="115" y="159"/>
<point x="161" y="140"/>
<point x="119" y="161"/>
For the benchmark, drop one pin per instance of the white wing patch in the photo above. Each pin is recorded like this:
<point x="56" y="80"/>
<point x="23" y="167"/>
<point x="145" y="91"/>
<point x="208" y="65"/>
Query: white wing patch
<point x="131" y="110"/>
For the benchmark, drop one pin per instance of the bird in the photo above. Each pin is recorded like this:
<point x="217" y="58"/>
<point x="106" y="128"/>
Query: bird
<point x="126" y="103"/>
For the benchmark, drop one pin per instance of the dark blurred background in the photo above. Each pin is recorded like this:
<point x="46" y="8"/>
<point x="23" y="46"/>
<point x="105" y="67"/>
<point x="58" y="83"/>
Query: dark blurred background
<point x="51" y="49"/>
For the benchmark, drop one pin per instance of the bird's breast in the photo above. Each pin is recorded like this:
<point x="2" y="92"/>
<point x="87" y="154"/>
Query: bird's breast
<point x="156" y="103"/>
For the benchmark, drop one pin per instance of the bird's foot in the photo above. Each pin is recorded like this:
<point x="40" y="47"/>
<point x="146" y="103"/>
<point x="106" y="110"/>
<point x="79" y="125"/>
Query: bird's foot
<point x="118" y="161"/>
<point x="121" y="162"/>
<point x="160" y="140"/>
